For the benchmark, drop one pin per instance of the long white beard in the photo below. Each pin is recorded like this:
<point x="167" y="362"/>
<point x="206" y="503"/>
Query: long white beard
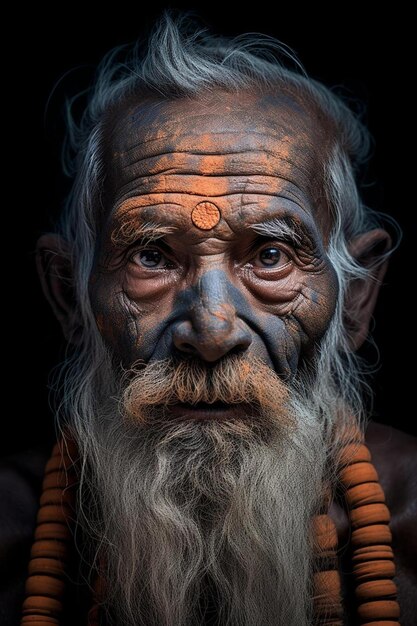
<point x="191" y="509"/>
<point x="197" y="506"/>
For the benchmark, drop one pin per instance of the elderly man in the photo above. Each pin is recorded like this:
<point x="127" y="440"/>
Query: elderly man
<point x="214" y="273"/>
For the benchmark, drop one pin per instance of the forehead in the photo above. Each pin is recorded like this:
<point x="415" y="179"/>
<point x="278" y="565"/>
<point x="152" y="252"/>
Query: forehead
<point x="219" y="145"/>
<point x="220" y="121"/>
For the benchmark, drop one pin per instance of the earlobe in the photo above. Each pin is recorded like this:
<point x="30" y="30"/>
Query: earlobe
<point x="53" y="260"/>
<point x="370" y="251"/>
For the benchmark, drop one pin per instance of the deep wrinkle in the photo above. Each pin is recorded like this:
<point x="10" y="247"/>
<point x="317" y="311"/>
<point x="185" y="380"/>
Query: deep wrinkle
<point x="216" y="411"/>
<point x="205" y="283"/>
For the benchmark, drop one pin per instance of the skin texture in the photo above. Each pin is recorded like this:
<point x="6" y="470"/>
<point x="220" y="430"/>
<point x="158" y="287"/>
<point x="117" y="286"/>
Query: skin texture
<point x="211" y="294"/>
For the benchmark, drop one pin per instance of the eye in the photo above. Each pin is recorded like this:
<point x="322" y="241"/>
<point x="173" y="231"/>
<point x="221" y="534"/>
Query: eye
<point x="272" y="256"/>
<point x="150" y="258"/>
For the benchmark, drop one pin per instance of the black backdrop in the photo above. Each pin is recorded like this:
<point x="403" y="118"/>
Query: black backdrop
<point x="361" y="54"/>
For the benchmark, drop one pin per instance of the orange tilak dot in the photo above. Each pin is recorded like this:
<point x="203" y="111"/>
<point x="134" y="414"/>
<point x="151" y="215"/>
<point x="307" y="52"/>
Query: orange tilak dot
<point x="205" y="215"/>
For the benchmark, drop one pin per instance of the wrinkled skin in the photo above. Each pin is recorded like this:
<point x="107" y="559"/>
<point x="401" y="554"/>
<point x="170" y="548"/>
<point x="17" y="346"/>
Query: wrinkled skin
<point x="211" y="292"/>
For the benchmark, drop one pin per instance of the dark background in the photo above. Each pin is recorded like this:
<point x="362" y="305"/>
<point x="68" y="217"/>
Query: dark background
<point x="362" y="55"/>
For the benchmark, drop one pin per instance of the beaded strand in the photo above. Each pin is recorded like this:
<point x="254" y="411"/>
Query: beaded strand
<point x="327" y="602"/>
<point x="45" y="585"/>
<point x="372" y="555"/>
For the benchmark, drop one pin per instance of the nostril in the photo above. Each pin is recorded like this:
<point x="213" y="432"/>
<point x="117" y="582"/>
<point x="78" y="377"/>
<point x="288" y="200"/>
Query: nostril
<point x="238" y="349"/>
<point x="188" y="347"/>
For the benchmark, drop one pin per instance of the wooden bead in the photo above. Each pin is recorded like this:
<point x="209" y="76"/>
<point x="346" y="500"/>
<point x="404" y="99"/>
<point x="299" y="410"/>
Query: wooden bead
<point x="358" y="474"/>
<point x="49" y="549"/>
<point x="51" y="496"/>
<point x="327" y="583"/>
<point x="361" y="495"/>
<point x="52" y="513"/>
<point x="44" y="585"/>
<point x="374" y="589"/>
<point x="42" y="605"/>
<point x="371" y="535"/>
<point x="54" y="531"/>
<point x="354" y="453"/>
<point x="372" y="553"/>
<point x="382" y="623"/>
<point x="327" y="593"/>
<point x="57" y="496"/>
<point x="369" y="514"/>
<point x="370" y="570"/>
<point x="39" y="620"/>
<point x="55" y="463"/>
<point x="54" y="480"/>
<point x="50" y="566"/>
<point x="379" y="610"/>
<point x="325" y="533"/>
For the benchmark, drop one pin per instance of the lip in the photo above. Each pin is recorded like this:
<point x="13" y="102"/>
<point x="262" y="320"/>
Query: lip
<point x="205" y="411"/>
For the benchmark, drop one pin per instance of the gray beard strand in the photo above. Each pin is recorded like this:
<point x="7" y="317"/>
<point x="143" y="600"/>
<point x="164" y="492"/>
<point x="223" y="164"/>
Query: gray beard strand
<point x="192" y="510"/>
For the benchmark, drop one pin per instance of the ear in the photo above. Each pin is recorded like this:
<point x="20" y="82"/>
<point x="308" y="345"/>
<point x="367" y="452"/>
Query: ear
<point x="370" y="250"/>
<point x="53" y="261"/>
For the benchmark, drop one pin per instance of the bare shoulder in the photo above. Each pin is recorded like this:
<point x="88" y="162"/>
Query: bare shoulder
<point x="394" y="454"/>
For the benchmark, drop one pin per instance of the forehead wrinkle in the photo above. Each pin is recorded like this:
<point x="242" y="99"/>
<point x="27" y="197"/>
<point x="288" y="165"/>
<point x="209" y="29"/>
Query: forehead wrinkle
<point x="169" y="155"/>
<point x="137" y="203"/>
<point x="284" y="150"/>
<point x="227" y="164"/>
<point x="212" y="187"/>
<point x="299" y="199"/>
<point x="181" y="138"/>
<point x="208" y="143"/>
<point x="140" y="202"/>
<point x="148" y="162"/>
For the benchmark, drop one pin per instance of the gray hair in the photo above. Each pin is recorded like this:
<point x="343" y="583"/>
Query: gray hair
<point x="279" y="484"/>
<point x="181" y="62"/>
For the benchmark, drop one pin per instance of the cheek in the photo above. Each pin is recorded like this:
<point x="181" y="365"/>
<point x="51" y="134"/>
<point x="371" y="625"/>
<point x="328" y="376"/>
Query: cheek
<point x="297" y="313"/>
<point x="118" y="319"/>
<point x="316" y="304"/>
<point x="306" y="297"/>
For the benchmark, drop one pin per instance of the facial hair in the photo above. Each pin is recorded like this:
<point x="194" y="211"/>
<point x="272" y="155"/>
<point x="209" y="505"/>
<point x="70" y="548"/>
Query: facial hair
<point x="192" y="514"/>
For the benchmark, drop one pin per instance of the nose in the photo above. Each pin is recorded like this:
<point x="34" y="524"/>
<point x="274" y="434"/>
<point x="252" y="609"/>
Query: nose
<point x="211" y="329"/>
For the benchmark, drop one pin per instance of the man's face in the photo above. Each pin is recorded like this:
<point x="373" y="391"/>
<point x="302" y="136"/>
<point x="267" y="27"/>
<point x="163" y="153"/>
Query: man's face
<point x="171" y="279"/>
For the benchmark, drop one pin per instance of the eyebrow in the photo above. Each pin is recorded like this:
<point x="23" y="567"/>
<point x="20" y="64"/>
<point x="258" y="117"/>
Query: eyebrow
<point x="130" y="231"/>
<point x="286" y="229"/>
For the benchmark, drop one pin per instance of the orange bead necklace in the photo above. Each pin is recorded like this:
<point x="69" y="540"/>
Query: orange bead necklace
<point x="372" y="555"/>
